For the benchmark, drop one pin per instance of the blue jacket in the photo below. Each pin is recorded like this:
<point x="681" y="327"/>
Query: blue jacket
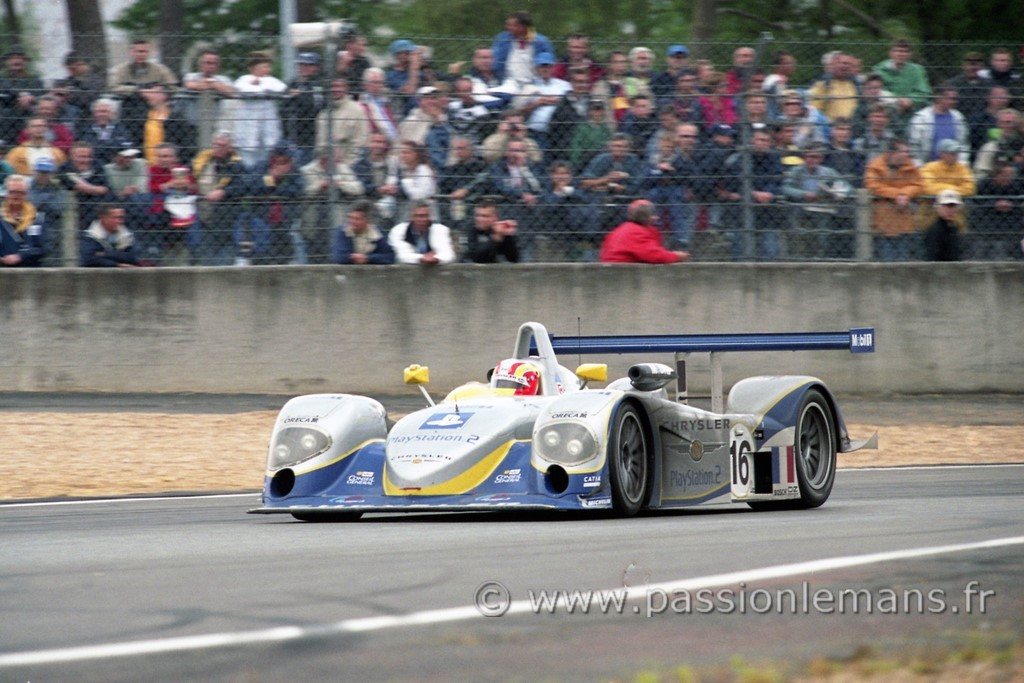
<point x="342" y="249"/>
<point x="503" y="46"/>
<point x="28" y="245"/>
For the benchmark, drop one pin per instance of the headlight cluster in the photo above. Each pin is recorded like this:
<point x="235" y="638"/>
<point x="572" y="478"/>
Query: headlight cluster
<point x="567" y="443"/>
<point x="292" y="445"/>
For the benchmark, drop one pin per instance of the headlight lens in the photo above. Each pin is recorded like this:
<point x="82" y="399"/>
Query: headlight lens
<point x="293" y="445"/>
<point x="567" y="443"/>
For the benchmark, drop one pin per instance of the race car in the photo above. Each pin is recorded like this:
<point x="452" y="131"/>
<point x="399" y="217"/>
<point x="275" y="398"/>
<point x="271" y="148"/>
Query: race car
<point x="536" y="436"/>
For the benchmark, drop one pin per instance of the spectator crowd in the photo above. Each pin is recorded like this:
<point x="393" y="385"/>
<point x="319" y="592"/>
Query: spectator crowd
<point x="520" y="153"/>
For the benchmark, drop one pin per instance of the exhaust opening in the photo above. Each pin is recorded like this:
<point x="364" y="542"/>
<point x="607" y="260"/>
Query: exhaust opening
<point x="556" y="479"/>
<point x="282" y="483"/>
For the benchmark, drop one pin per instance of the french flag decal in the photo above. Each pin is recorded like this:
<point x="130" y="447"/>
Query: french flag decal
<point x="783" y="457"/>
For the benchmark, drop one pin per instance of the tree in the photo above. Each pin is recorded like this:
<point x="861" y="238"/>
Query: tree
<point x="172" y="38"/>
<point x="88" y="34"/>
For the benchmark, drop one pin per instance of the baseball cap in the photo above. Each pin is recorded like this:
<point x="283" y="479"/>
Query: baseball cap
<point x="544" y="59"/>
<point x="597" y="103"/>
<point x="401" y="45"/>
<point x="45" y="165"/>
<point x="678" y="50"/>
<point x="949" y="197"/>
<point x="127" y="149"/>
<point x="949" y="145"/>
<point x="724" y="129"/>
<point x="426" y="90"/>
<point x="308" y="58"/>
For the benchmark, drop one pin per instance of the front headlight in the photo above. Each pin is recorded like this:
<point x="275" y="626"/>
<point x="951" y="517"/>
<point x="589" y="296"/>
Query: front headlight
<point x="567" y="443"/>
<point x="293" y="445"/>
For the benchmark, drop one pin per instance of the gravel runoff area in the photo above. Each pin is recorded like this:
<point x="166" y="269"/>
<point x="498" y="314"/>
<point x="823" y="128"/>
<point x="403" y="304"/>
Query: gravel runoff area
<point x="85" y="445"/>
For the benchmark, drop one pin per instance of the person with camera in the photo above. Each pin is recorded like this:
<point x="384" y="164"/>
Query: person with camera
<point x="492" y="239"/>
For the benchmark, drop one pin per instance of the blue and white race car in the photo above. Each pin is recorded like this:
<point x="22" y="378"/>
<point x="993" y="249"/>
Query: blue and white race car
<point x="536" y="437"/>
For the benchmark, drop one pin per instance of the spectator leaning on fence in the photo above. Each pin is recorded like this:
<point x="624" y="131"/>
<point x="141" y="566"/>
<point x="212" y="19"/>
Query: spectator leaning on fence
<point x="206" y="90"/>
<point x="107" y="243"/>
<point x="638" y="239"/>
<point x="257" y="124"/>
<point x="128" y="79"/>
<point x="359" y="241"/>
<point x="491" y="239"/>
<point x="21" y="235"/>
<point x="49" y="199"/>
<point x="895" y="183"/>
<point x="948" y="172"/>
<point x="421" y="240"/>
<point x="942" y="238"/>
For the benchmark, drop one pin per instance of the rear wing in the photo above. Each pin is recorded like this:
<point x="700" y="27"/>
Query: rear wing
<point x="854" y="340"/>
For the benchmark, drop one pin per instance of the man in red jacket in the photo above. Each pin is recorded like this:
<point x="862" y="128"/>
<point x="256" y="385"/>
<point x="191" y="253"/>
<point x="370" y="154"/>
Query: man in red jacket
<point x="638" y="240"/>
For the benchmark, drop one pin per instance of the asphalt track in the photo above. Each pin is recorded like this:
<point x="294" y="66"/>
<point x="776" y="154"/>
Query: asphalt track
<point x="193" y="588"/>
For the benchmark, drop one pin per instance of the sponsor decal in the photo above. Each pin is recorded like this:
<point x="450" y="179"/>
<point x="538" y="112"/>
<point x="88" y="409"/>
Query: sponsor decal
<point x="591" y="480"/>
<point x="597" y="503"/>
<point x="364" y="478"/>
<point x="698" y="423"/>
<point x="569" y="415"/>
<point x="419" y="458"/>
<point x="509" y="477"/>
<point x="446" y="421"/>
<point x="424" y="438"/>
<point x="301" y="420"/>
<point x="696" y="451"/>
<point x="695" y="478"/>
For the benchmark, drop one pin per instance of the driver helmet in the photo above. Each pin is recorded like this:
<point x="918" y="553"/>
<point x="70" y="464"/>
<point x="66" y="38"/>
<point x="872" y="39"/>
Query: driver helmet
<point x="520" y="375"/>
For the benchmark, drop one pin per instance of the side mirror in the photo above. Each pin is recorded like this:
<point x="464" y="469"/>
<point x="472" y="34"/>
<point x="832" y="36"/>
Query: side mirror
<point x="416" y="374"/>
<point x="592" y="372"/>
<point x="650" y="376"/>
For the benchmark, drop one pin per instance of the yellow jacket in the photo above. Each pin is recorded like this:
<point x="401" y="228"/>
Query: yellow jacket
<point x="939" y="176"/>
<point x="18" y="158"/>
<point x="834" y="98"/>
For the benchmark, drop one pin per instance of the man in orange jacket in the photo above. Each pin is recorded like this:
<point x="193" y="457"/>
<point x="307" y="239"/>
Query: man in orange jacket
<point x="638" y="240"/>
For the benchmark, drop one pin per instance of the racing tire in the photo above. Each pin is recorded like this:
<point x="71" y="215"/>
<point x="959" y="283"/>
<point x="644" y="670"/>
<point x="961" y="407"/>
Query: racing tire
<point x="815" y="454"/>
<point x="630" y="461"/>
<point x="327" y="517"/>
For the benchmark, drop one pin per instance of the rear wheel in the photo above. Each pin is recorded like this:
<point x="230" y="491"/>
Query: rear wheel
<point x="815" y="454"/>
<point x="629" y="461"/>
<point x="323" y="517"/>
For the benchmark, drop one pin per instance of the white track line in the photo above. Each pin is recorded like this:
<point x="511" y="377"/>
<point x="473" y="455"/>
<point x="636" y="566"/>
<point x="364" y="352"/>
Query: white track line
<point x="903" y="468"/>
<point x="131" y="499"/>
<point x="431" y="617"/>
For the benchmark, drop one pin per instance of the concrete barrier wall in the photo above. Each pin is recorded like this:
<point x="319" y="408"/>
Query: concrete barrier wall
<point x="940" y="327"/>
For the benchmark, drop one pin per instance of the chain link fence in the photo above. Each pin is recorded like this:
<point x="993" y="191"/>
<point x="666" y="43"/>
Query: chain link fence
<point x="525" y="151"/>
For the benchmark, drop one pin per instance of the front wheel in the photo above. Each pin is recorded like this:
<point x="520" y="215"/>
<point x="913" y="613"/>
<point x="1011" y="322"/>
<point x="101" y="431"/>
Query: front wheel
<point x="326" y="517"/>
<point x="629" y="462"/>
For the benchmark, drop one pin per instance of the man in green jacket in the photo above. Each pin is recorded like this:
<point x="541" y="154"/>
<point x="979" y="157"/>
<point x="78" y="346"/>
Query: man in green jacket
<point x="906" y="80"/>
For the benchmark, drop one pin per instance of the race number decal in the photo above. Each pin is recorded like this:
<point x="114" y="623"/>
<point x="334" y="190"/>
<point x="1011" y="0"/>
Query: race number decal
<point x="741" y="449"/>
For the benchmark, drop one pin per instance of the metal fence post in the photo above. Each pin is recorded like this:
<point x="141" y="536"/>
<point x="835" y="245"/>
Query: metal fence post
<point x="69" y="232"/>
<point x="863" y="244"/>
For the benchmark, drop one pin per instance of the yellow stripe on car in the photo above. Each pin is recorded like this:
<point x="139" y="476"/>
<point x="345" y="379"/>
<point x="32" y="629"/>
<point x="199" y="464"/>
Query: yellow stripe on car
<point x="462" y="483"/>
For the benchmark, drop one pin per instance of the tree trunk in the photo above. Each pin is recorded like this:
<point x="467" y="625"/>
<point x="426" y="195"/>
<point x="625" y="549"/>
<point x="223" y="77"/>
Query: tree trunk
<point x="11" y="18"/>
<point x="305" y="11"/>
<point x="704" y="22"/>
<point x="171" y="31"/>
<point x="88" y="36"/>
